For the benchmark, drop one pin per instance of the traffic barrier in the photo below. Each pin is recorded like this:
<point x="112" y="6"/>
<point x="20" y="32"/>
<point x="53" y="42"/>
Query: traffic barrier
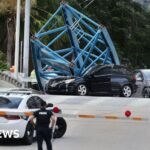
<point x="108" y="117"/>
<point x="82" y="116"/>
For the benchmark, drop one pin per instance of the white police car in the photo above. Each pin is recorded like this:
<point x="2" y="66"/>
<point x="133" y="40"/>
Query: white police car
<point x="19" y="126"/>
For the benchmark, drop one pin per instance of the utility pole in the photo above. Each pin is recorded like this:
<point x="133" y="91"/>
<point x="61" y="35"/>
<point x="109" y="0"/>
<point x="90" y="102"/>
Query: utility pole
<point x="17" y="38"/>
<point x="26" y="39"/>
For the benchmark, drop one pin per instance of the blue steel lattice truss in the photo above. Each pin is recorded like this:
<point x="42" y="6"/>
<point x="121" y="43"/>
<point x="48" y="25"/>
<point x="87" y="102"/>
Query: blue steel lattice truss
<point x="90" y="44"/>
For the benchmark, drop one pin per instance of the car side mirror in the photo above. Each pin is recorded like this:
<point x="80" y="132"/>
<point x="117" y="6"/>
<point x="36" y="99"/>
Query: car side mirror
<point x="49" y="105"/>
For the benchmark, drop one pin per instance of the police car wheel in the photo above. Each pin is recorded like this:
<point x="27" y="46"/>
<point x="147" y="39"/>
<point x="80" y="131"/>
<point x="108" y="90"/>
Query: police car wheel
<point x="60" y="128"/>
<point x="28" y="138"/>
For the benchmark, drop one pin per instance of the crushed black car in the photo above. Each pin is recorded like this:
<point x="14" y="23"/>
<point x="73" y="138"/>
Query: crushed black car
<point x="101" y="79"/>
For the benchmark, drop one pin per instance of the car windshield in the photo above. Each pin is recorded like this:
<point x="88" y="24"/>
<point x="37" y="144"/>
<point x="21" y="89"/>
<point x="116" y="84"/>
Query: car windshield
<point x="10" y="102"/>
<point x="147" y="74"/>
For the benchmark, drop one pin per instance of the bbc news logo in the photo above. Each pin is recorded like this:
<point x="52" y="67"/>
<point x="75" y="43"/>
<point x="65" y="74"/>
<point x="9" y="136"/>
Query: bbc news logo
<point x="9" y="134"/>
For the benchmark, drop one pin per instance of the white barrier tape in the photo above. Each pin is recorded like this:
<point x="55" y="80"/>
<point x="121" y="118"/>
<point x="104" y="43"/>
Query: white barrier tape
<point x="83" y="116"/>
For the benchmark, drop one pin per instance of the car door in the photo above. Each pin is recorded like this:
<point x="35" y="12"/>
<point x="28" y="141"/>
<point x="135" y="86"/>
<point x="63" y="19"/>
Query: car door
<point x="120" y="76"/>
<point x="100" y="81"/>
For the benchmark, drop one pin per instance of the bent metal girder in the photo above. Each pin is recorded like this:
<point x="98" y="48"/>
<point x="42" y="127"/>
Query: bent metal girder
<point x="89" y="44"/>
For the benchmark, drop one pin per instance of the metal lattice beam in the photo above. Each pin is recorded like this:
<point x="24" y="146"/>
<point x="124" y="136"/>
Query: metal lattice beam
<point x="90" y="44"/>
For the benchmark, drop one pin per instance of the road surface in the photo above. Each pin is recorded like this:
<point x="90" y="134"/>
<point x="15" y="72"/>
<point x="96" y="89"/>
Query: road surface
<point x="4" y="85"/>
<point x="99" y="134"/>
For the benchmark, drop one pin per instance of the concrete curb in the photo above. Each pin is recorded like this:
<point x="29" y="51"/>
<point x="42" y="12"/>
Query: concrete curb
<point x="9" y="79"/>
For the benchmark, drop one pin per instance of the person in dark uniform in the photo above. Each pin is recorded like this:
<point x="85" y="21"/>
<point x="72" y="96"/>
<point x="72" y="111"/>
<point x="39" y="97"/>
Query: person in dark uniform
<point x="43" y="131"/>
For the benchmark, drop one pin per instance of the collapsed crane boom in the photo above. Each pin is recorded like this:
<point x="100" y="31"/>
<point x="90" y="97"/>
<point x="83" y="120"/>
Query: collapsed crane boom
<point x="83" y="44"/>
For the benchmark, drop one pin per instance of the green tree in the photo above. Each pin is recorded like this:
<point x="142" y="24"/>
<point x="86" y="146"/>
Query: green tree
<point x="8" y="10"/>
<point x="40" y="14"/>
<point x="127" y="22"/>
<point x="3" y="63"/>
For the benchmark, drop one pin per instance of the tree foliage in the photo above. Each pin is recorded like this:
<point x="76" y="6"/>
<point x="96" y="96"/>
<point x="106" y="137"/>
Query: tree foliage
<point x="127" y="22"/>
<point x="7" y="25"/>
<point x="3" y="63"/>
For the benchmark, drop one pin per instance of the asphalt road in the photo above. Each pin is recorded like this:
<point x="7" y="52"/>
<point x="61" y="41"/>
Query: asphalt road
<point x="98" y="134"/>
<point x="4" y="84"/>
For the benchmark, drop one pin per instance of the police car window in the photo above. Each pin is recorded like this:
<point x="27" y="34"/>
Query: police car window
<point x="105" y="70"/>
<point x="34" y="102"/>
<point x="11" y="102"/>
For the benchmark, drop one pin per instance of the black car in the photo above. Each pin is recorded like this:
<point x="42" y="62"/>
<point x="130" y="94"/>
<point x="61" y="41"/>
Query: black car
<point x="100" y="79"/>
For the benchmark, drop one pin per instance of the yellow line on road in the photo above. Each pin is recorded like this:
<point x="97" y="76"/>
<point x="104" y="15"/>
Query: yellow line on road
<point x="111" y="117"/>
<point x="137" y="118"/>
<point x="87" y="116"/>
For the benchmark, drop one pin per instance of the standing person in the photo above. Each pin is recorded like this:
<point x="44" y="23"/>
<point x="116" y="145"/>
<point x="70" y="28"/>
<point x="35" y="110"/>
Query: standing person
<point x="34" y="84"/>
<point x="43" y="132"/>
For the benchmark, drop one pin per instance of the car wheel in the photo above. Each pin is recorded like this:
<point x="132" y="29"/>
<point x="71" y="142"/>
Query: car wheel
<point x="28" y="137"/>
<point x="126" y="91"/>
<point x="81" y="90"/>
<point x="60" y="128"/>
<point x="146" y="93"/>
